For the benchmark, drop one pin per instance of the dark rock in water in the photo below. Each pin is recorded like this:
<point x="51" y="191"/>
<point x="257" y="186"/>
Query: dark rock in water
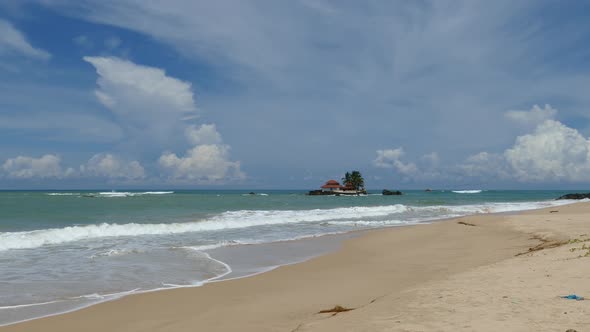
<point x="251" y="193"/>
<point x="386" y="192"/>
<point x="574" y="196"/>
<point x="320" y="193"/>
<point x="428" y="190"/>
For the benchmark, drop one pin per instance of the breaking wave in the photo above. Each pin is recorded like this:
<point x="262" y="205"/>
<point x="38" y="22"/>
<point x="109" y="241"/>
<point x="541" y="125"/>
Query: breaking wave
<point x="467" y="191"/>
<point x="389" y="215"/>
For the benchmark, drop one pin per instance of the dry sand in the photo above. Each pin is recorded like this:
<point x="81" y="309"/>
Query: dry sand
<point x="447" y="276"/>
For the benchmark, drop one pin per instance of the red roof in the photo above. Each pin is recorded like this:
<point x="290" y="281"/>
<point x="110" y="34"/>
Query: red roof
<point x="348" y="186"/>
<point x="331" y="184"/>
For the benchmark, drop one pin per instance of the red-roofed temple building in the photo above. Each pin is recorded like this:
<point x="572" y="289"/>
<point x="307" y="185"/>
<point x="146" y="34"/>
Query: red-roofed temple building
<point x="333" y="187"/>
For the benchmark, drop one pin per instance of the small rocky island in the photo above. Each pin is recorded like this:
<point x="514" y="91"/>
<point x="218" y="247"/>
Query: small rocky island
<point x="574" y="196"/>
<point x="354" y="185"/>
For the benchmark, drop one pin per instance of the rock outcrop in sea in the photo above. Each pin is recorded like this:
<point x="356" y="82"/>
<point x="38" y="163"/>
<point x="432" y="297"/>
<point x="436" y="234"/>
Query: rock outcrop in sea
<point x="575" y="196"/>
<point x="386" y="192"/>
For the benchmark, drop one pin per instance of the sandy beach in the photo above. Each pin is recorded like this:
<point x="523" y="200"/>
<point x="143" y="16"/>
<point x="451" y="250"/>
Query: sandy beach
<point x="477" y="273"/>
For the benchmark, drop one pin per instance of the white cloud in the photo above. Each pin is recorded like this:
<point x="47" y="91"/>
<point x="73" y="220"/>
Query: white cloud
<point x="534" y="117"/>
<point x="154" y="109"/>
<point x="12" y="41"/>
<point x="49" y="166"/>
<point x="21" y="167"/>
<point x="131" y="86"/>
<point x="553" y="152"/>
<point x="147" y="103"/>
<point x="390" y="158"/>
<point x="206" y="163"/>
<point x="109" y="166"/>
<point x="205" y="134"/>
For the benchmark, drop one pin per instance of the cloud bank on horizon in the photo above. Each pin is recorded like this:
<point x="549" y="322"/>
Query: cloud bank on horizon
<point x="285" y="95"/>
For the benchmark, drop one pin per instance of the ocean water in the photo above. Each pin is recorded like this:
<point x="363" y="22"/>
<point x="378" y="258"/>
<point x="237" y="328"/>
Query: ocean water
<point x="63" y="250"/>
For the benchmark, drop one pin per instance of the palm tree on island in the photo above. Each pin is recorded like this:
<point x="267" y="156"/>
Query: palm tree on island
<point x="354" y="180"/>
<point x="354" y="184"/>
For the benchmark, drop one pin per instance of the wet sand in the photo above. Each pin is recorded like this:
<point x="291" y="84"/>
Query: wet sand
<point x="477" y="275"/>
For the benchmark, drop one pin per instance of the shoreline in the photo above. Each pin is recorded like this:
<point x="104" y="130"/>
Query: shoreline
<point x="64" y="318"/>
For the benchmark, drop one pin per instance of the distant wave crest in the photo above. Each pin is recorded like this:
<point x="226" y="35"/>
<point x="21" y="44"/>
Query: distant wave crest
<point x="113" y="193"/>
<point x="467" y="191"/>
<point x="131" y="194"/>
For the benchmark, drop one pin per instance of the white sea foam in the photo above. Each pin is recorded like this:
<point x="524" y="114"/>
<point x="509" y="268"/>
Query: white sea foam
<point x="115" y="252"/>
<point x="467" y="191"/>
<point x="62" y="194"/>
<point x="372" y="223"/>
<point x="219" y="244"/>
<point x="96" y="296"/>
<point x="27" y="305"/>
<point x="131" y="194"/>
<point x="252" y="218"/>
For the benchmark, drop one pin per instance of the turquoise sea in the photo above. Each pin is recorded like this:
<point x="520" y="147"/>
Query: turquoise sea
<point x="63" y="250"/>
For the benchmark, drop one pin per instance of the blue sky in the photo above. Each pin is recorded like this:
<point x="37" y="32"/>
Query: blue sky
<point x="287" y="94"/>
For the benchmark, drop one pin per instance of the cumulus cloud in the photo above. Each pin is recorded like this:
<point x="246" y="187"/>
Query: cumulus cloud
<point x="204" y="134"/>
<point x="390" y="158"/>
<point x="49" y="166"/>
<point x="553" y="152"/>
<point x="110" y="166"/>
<point x="148" y="103"/>
<point x="131" y="85"/>
<point x="154" y="108"/>
<point x="533" y="117"/>
<point x="22" y="167"/>
<point x="13" y="42"/>
<point x="426" y="169"/>
<point x="205" y="163"/>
